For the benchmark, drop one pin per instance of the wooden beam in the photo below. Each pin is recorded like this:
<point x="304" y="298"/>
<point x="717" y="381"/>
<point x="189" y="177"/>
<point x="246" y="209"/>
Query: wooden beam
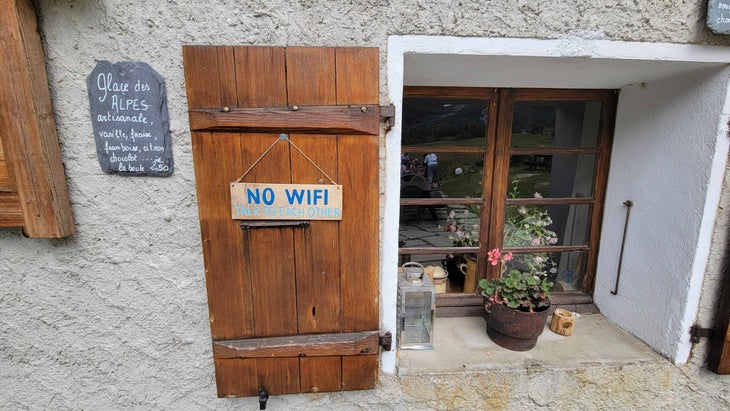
<point x="27" y="127"/>
<point x="314" y="345"/>
<point x="307" y="119"/>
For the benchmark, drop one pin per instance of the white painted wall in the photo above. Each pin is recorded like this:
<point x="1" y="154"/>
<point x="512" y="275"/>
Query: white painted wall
<point x="668" y="159"/>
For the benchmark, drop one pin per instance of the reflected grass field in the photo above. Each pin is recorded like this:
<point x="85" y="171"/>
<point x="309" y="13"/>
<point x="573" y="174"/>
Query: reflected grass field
<point x="469" y="182"/>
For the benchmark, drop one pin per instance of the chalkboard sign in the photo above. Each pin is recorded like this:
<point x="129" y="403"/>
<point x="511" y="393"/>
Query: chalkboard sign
<point x="718" y="16"/>
<point x="129" y="117"/>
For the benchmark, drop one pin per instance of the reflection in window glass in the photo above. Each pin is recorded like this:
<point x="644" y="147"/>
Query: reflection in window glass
<point x="528" y="225"/>
<point x="453" y="226"/>
<point x="542" y="264"/>
<point x="555" y="176"/>
<point x="571" y="268"/>
<point x="555" y="124"/>
<point x="541" y="226"/>
<point x="444" y="121"/>
<point x="566" y="270"/>
<point x="454" y="175"/>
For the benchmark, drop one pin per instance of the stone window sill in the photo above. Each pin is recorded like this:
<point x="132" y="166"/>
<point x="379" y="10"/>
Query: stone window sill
<point x="461" y="344"/>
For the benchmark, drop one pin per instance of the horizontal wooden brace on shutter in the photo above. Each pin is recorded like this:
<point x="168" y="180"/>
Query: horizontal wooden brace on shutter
<point x="315" y="345"/>
<point x="361" y="119"/>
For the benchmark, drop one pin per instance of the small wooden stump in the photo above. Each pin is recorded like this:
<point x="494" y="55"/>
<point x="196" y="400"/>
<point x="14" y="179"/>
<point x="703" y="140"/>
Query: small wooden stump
<point x="563" y="322"/>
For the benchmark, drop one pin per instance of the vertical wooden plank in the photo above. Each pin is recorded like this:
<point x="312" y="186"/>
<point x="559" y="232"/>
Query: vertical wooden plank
<point x="719" y="358"/>
<point x="321" y="374"/>
<point x="209" y="76"/>
<point x="359" y="372"/>
<point x="310" y="74"/>
<point x="236" y="378"/>
<point x="718" y="355"/>
<point x="311" y="81"/>
<point x="30" y="142"/>
<point x="260" y="76"/>
<point x="11" y="214"/>
<point x="358" y="75"/>
<point x="261" y="81"/>
<point x="228" y="285"/>
<point x="279" y="375"/>
<point x="7" y="181"/>
<point x="358" y="164"/>
<point x="218" y="159"/>
<point x="358" y="167"/>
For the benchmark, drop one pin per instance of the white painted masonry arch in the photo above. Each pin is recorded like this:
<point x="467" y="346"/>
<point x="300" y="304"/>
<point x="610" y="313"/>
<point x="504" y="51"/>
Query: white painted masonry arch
<point x="669" y="155"/>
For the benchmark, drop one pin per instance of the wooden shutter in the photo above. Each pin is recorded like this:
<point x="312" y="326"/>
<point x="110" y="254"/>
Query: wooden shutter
<point x="292" y="308"/>
<point x="33" y="192"/>
<point x="718" y="357"/>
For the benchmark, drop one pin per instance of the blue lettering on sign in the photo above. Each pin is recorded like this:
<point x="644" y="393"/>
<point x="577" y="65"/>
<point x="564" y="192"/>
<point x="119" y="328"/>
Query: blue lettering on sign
<point x="294" y="195"/>
<point x="247" y="211"/>
<point x="312" y="196"/>
<point x="254" y="196"/>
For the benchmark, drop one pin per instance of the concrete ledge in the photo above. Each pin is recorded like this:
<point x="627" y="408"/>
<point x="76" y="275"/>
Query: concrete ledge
<point x="461" y="344"/>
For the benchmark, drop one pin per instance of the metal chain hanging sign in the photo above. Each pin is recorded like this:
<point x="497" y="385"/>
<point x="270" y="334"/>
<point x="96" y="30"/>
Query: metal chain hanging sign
<point x="265" y="201"/>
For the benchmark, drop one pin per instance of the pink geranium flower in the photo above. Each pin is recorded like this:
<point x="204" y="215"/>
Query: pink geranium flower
<point x="493" y="256"/>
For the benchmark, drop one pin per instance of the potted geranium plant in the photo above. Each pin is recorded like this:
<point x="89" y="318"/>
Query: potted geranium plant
<point x="516" y="304"/>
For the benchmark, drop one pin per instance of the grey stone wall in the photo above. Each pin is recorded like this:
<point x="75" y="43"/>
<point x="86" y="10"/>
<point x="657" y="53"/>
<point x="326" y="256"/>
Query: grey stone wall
<point x="116" y="316"/>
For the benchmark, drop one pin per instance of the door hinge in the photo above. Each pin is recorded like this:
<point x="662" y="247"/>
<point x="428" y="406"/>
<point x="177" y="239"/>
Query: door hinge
<point x="698" y="332"/>
<point x="386" y="340"/>
<point x="387" y="115"/>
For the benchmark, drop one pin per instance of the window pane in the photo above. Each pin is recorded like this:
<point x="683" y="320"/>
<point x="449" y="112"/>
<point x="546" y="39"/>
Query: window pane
<point x="555" y="176"/>
<point x="444" y="121"/>
<point x="555" y="124"/>
<point x="439" y="226"/>
<point x="539" y="263"/>
<point x="540" y="226"/>
<point x="455" y="226"/>
<point x="566" y="270"/>
<point x="571" y="270"/>
<point x="454" y="175"/>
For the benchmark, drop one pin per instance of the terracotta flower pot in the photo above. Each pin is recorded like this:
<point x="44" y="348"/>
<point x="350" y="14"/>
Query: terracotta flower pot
<point x="513" y="329"/>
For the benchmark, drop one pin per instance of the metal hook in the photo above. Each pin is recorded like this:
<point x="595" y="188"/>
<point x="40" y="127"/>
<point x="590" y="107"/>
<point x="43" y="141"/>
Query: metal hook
<point x="628" y="204"/>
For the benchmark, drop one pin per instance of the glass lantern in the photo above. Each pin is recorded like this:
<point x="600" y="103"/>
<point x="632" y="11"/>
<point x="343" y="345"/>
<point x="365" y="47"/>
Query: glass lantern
<point x="416" y="303"/>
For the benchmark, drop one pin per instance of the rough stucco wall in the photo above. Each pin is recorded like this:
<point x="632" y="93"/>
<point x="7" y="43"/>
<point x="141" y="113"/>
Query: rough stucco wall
<point x="116" y="317"/>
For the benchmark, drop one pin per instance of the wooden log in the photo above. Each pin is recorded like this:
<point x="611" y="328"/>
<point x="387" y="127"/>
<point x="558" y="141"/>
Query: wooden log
<point x="563" y="322"/>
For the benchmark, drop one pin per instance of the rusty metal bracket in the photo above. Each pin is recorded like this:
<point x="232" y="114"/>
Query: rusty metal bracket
<point x="698" y="332"/>
<point x="386" y="341"/>
<point x="387" y="115"/>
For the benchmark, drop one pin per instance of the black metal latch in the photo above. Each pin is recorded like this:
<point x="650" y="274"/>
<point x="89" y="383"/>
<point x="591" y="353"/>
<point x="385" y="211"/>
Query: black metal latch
<point x="386" y="341"/>
<point x="263" y="398"/>
<point x="698" y="332"/>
